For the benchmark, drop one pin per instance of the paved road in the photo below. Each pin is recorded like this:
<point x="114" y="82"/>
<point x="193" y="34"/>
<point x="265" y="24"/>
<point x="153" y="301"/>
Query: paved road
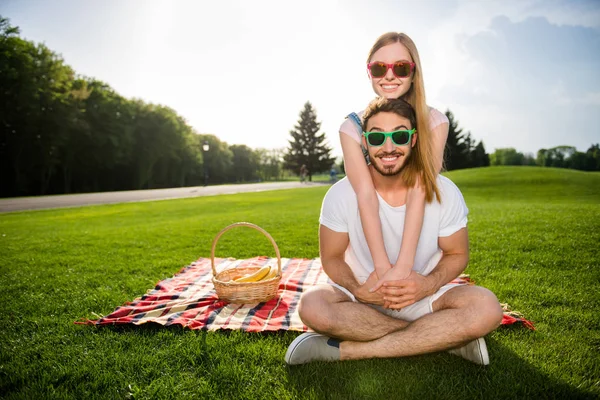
<point x="77" y="200"/>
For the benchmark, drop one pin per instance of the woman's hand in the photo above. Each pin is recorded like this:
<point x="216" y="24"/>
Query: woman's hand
<point x="403" y="293"/>
<point x="364" y="295"/>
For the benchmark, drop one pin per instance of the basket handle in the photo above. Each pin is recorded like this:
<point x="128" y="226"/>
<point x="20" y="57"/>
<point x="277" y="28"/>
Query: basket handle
<point x="249" y="225"/>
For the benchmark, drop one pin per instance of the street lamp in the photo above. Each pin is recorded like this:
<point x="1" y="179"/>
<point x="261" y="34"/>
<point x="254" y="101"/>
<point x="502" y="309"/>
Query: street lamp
<point x="205" y="148"/>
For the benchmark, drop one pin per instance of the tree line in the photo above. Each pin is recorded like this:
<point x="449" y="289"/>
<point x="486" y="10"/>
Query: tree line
<point x="557" y="157"/>
<point x="463" y="152"/>
<point x="65" y="133"/>
<point x="61" y="132"/>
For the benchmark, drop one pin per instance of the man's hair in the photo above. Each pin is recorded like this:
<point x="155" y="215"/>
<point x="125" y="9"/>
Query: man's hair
<point x="415" y="168"/>
<point x="396" y="106"/>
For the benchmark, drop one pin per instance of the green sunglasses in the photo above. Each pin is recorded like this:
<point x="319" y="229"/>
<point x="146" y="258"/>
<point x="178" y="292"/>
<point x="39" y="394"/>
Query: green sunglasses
<point x="399" y="138"/>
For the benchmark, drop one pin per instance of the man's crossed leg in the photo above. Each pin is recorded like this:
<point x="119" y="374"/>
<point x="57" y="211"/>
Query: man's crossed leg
<point x="456" y="317"/>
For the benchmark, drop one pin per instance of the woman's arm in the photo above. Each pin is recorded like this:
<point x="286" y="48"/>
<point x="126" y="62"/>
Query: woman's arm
<point x="415" y="211"/>
<point x="332" y="246"/>
<point x="415" y="204"/>
<point x="455" y="250"/>
<point x="413" y="222"/>
<point x="358" y="174"/>
<point x="439" y="136"/>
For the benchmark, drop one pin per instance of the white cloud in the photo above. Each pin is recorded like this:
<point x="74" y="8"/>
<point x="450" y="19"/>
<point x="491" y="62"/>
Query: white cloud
<point x="521" y="81"/>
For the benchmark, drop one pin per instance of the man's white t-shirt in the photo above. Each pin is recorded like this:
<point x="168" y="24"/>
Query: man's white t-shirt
<point x="339" y="213"/>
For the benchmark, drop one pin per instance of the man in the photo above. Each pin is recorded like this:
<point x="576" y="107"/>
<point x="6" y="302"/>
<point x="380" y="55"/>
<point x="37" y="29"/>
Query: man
<point x="303" y="173"/>
<point x="424" y="313"/>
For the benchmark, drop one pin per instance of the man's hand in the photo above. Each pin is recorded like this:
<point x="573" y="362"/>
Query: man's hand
<point x="392" y="275"/>
<point x="364" y="295"/>
<point x="383" y="269"/>
<point x="403" y="293"/>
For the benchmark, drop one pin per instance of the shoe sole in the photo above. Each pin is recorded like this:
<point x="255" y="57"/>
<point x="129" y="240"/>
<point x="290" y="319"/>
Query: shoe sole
<point x="482" y="347"/>
<point x="479" y="355"/>
<point x="295" y="343"/>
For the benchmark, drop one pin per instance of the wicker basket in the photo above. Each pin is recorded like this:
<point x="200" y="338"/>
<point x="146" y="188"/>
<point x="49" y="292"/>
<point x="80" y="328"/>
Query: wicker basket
<point x="244" y="292"/>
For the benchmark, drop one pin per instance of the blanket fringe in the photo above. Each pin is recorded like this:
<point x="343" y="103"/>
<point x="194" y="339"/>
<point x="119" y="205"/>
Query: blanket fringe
<point x="510" y="317"/>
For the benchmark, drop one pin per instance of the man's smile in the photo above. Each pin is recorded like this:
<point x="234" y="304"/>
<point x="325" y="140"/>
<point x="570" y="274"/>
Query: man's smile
<point x="390" y="158"/>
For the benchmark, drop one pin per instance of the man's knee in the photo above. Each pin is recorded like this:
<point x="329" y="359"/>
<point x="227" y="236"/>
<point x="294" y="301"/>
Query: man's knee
<point x="484" y="313"/>
<point x="314" y="309"/>
<point x="488" y="311"/>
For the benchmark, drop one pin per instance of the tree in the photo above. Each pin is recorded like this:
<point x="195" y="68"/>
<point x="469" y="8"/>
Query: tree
<point x="245" y="164"/>
<point x="34" y="111"/>
<point x="218" y="160"/>
<point x="62" y="133"/>
<point x="593" y="156"/>
<point x="479" y="158"/>
<point x="507" y="156"/>
<point x="458" y="147"/>
<point x="270" y="163"/>
<point x="307" y="147"/>
<point x="578" y="160"/>
<point x="342" y="165"/>
<point x="111" y="143"/>
<point x="529" y="159"/>
<point x="555" y="157"/>
<point x="560" y="155"/>
<point x="542" y="158"/>
<point x="569" y="157"/>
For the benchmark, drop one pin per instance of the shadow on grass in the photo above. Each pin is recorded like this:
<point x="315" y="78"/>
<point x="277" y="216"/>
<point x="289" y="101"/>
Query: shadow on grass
<point x="441" y="375"/>
<point x="148" y="328"/>
<point x="152" y="328"/>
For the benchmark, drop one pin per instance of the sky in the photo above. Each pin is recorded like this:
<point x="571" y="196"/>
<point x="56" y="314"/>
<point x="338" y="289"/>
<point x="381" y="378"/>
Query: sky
<point x="515" y="73"/>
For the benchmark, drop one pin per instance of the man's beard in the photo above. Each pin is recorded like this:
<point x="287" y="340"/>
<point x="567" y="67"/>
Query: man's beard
<point x="391" y="170"/>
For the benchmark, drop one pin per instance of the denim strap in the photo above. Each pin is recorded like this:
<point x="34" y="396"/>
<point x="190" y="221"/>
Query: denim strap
<point x="356" y="119"/>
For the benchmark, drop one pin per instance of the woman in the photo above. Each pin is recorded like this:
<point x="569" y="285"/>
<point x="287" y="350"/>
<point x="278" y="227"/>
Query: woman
<point x="394" y="68"/>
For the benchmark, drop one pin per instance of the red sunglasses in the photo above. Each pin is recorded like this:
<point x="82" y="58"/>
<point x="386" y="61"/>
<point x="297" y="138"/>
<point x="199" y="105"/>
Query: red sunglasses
<point x="401" y="69"/>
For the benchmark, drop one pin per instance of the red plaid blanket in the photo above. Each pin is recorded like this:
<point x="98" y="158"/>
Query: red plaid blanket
<point x="189" y="299"/>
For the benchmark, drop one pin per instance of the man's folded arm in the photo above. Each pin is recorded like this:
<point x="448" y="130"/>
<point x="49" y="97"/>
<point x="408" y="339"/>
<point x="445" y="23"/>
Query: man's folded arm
<point x="332" y="246"/>
<point x="453" y="262"/>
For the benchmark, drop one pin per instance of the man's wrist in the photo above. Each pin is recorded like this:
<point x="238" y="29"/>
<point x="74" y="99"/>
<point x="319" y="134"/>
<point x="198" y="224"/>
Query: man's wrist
<point x="431" y="285"/>
<point x="353" y="288"/>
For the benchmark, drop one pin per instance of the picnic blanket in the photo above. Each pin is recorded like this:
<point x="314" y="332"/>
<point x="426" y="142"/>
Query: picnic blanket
<point x="189" y="299"/>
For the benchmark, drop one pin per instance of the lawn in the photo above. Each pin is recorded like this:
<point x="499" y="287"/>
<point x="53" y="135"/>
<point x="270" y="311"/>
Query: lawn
<point x="535" y="237"/>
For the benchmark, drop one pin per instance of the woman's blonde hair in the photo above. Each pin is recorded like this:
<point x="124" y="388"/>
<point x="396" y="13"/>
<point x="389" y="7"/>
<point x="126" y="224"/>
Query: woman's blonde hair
<point x="424" y="168"/>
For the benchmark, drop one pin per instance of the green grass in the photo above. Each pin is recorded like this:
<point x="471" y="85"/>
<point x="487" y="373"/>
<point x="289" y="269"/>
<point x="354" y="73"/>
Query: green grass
<point x="535" y="237"/>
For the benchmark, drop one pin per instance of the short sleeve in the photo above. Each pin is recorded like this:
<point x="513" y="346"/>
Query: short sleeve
<point x="333" y="214"/>
<point x="350" y="128"/>
<point x="454" y="209"/>
<point x="436" y="118"/>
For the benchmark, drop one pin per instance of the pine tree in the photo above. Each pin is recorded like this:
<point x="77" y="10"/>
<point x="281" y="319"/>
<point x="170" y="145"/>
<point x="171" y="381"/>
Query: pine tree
<point x="456" y="152"/>
<point x="307" y="147"/>
<point x="593" y="155"/>
<point x="479" y="157"/>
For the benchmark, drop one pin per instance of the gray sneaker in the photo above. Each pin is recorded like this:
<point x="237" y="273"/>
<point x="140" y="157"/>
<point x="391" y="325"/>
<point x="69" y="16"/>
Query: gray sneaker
<point x="310" y="347"/>
<point x="475" y="351"/>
